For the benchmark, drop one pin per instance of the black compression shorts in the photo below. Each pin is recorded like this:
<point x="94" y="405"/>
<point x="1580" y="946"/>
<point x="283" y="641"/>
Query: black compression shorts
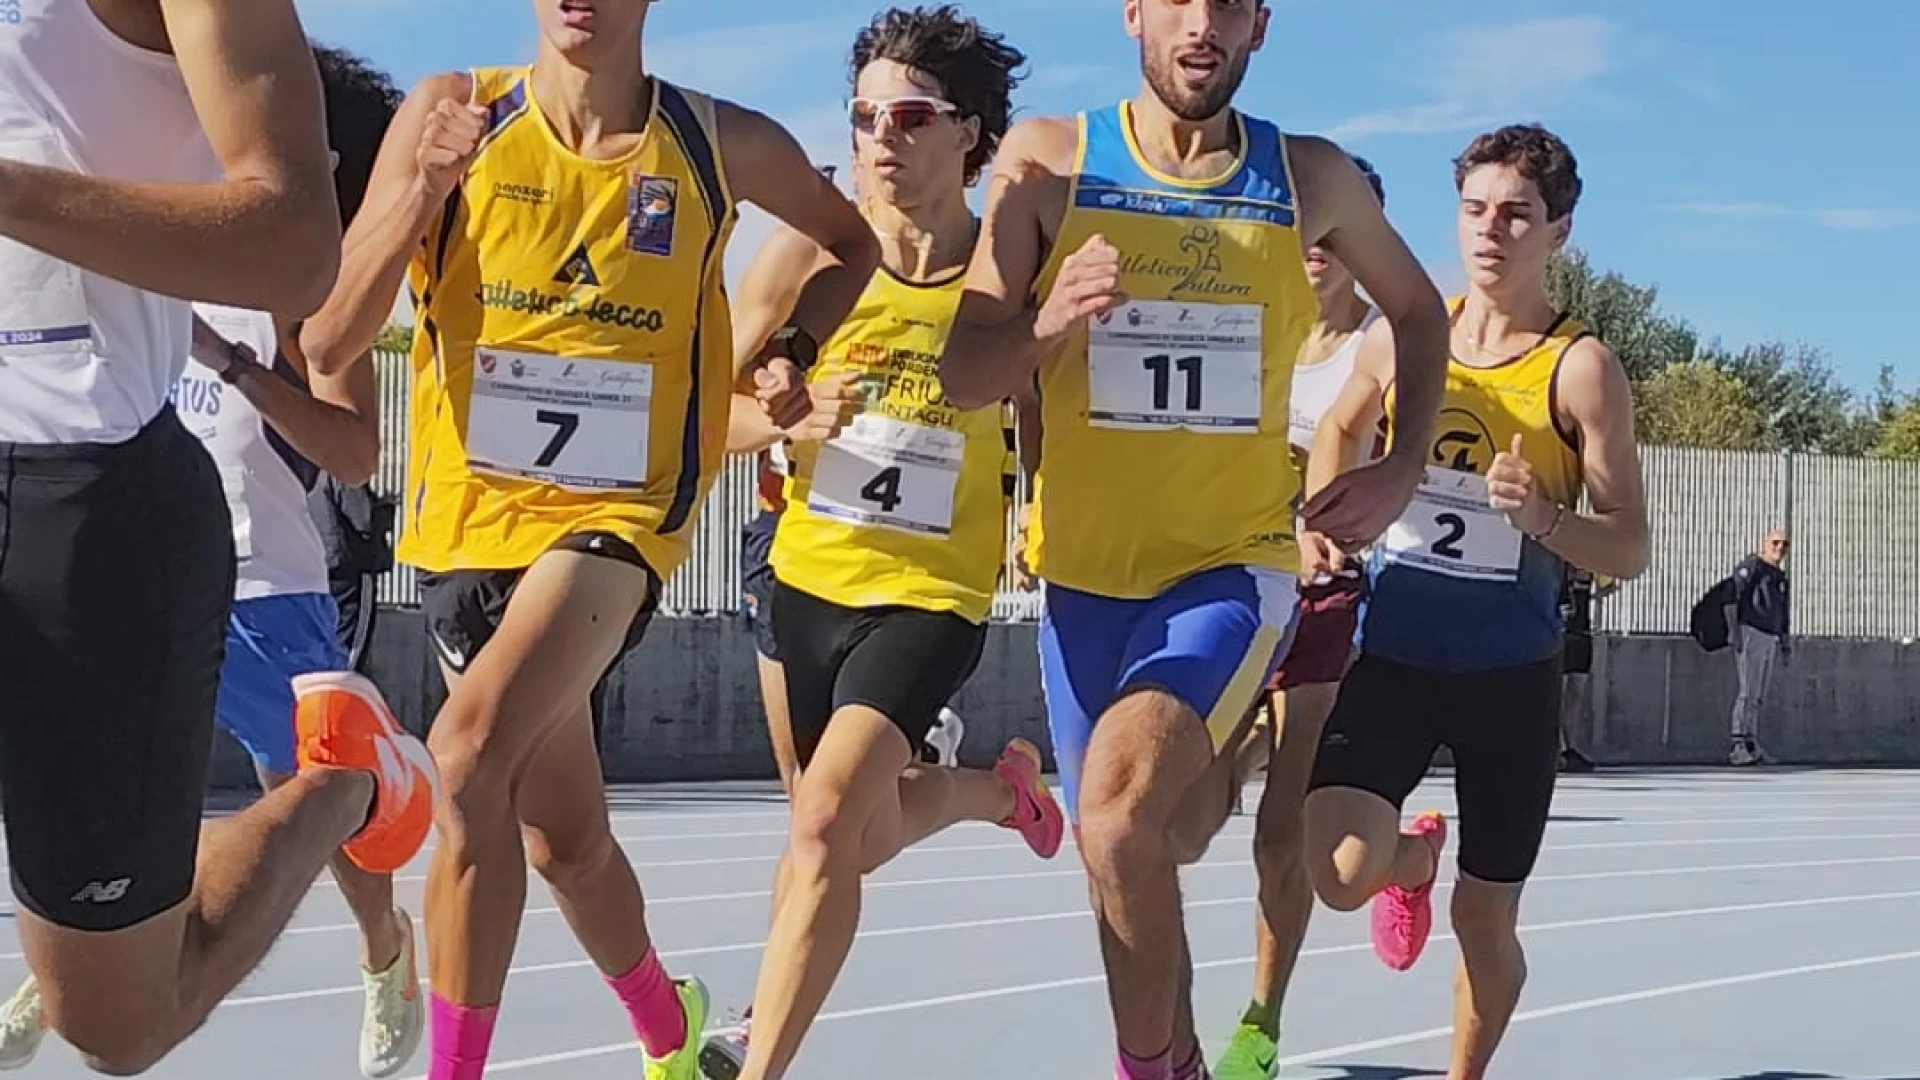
<point x="903" y="662"/>
<point x="1503" y="727"/>
<point x="116" y="581"/>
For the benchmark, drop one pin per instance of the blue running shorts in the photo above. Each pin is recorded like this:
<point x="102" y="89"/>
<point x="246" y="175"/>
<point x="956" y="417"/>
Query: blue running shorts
<point x="1211" y="641"/>
<point x="270" y="640"/>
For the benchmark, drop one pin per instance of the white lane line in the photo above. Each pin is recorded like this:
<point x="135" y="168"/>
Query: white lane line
<point x="1090" y="980"/>
<point x="1584" y="1005"/>
<point x="737" y="860"/>
<point x="973" y="924"/>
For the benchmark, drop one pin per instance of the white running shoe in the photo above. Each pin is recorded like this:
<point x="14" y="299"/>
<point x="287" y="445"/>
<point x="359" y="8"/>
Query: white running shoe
<point x="944" y="738"/>
<point x="393" y="1016"/>
<point x="22" y="1026"/>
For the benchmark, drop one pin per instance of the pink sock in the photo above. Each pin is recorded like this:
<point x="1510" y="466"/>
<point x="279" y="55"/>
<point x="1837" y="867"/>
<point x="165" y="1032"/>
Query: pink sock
<point x="1157" y="1067"/>
<point x="461" y="1037"/>
<point x="654" y="1007"/>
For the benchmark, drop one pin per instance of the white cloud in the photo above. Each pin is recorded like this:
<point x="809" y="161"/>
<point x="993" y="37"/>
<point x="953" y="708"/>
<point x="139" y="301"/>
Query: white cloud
<point x="1478" y="74"/>
<point x="1848" y="218"/>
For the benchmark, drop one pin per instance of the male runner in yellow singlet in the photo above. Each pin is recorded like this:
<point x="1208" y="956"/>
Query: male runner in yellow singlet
<point x="1461" y="643"/>
<point x="1144" y="263"/>
<point x="894" y="534"/>
<point x="561" y="227"/>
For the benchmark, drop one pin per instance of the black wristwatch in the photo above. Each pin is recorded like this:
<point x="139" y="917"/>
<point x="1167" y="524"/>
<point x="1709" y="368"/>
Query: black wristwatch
<point x="796" y="345"/>
<point x="237" y="362"/>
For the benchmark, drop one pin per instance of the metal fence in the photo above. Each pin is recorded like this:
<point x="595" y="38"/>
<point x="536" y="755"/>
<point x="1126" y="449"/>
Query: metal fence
<point x="1855" y="523"/>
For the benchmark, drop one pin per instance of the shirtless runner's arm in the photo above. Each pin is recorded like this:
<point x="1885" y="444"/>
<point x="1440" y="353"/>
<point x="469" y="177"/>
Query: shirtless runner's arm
<point x="267" y="236"/>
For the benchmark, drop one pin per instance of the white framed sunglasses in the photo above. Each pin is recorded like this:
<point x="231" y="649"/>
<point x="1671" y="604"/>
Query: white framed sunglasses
<point x="903" y="113"/>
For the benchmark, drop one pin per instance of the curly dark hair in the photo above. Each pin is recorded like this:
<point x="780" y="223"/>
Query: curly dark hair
<point x="361" y="102"/>
<point x="1373" y="177"/>
<point x="1539" y="154"/>
<point x="976" y="69"/>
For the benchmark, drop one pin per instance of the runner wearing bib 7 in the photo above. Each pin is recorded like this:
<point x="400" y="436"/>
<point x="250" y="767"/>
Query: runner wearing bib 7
<point x="893" y="536"/>
<point x="561" y="228"/>
<point x="1143" y="264"/>
<point x="1461" y="641"/>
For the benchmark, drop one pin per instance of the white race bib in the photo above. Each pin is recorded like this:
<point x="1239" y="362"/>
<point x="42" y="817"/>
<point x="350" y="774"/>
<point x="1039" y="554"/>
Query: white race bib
<point x="43" y="308"/>
<point x="1159" y="365"/>
<point x="890" y="473"/>
<point x="575" y="423"/>
<point x="1450" y="528"/>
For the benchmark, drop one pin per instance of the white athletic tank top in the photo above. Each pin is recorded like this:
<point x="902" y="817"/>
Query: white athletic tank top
<point x="266" y="480"/>
<point x="84" y="358"/>
<point x="1316" y="387"/>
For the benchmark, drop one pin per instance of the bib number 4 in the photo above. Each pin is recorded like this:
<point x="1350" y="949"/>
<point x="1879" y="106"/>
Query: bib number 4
<point x="890" y="474"/>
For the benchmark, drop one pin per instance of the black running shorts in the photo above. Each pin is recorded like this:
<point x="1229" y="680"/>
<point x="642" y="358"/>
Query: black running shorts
<point x="1503" y="727"/>
<point x="756" y="580"/>
<point x="903" y="662"/>
<point x="464" y="607"/>
<point x="116" y="581"/>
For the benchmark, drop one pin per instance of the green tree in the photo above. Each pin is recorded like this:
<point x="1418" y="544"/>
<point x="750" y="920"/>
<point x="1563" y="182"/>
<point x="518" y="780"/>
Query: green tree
<point x="394" y="337"/>
<point x="1805" y="407"/>
<point x="1899" y="435"/>
<point x="1698" y="403"/>
<point x="1625" y="316"/>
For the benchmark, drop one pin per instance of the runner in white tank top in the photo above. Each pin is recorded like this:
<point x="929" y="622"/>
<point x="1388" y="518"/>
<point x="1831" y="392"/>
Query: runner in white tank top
<point x="1301" y="693"/>
<point x="119" y="569"/>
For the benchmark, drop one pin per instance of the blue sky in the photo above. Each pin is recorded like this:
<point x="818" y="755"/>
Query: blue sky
<point x="1753" y="160"/>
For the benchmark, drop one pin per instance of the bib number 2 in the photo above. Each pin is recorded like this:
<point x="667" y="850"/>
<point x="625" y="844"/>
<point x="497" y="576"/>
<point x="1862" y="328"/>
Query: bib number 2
<point x="575" y="423"/>
<point x="1162" y="366"/>
<point x="1449" y="528"/>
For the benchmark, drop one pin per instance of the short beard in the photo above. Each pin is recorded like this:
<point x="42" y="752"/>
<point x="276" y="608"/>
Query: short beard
<point x="1193" y="108"/>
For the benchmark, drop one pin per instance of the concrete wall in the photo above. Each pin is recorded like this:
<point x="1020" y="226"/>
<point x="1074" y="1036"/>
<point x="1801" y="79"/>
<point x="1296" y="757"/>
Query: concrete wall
<point x="686" y="704"/>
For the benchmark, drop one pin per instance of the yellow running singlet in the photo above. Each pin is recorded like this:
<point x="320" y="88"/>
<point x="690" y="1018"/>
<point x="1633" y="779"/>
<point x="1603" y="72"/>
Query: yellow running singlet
<point x="908" y="504"/>
<point x="572" y="361"/>
<point x="1165" y="444"/>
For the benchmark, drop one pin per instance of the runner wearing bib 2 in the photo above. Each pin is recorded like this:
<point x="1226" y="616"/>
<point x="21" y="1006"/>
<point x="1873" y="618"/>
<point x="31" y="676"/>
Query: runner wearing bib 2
<point x="893" y="536"/>
<point x="573" y="369"/>
<point x="1461" y="640"/>
<point x="1143" y="262"/>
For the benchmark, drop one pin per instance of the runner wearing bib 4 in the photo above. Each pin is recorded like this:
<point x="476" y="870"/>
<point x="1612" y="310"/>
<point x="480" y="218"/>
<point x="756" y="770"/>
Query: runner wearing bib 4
<point x="893" y="536"/>
<point x="1142" y="265"/>
<point x="1461" y="639"/>
<point x="573" y="371"/>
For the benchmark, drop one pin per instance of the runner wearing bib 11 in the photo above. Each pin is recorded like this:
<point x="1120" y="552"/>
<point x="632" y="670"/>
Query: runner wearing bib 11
<point x="1144" y="263"/>
<point x="1461" y="641"/>
<point x="573" y="367"/>
<point x="893" y="537"/>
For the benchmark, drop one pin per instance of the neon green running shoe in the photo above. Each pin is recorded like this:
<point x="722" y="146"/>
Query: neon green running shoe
<point x="684" y="1063"/>
<point x="1250" y="1055"/>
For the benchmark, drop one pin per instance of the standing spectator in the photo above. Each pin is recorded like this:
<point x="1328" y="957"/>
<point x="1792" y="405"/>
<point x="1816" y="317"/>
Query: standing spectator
<point x="1758" y="626"/>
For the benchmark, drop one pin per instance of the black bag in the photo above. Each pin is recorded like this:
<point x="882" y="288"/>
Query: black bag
<point x="1709" y="629"/>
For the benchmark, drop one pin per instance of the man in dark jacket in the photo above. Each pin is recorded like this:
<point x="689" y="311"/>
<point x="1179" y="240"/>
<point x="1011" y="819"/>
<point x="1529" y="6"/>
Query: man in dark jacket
<point x="1758" y="627"/>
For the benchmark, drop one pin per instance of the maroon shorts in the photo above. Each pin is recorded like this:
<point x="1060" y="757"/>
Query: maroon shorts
<point x="1323" y="641"/>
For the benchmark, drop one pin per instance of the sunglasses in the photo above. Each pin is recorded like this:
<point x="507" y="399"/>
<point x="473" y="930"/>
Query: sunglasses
<point x="903" y="113"/>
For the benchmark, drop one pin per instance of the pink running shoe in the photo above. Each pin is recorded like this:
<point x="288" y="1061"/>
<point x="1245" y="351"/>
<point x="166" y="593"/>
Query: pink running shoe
<point x="1036" y="816"/>
<point x="1403" y="918"/>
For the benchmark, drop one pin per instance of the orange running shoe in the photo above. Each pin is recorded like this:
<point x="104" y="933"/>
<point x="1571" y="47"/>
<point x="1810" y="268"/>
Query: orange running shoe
<point x="342" y="722"/>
